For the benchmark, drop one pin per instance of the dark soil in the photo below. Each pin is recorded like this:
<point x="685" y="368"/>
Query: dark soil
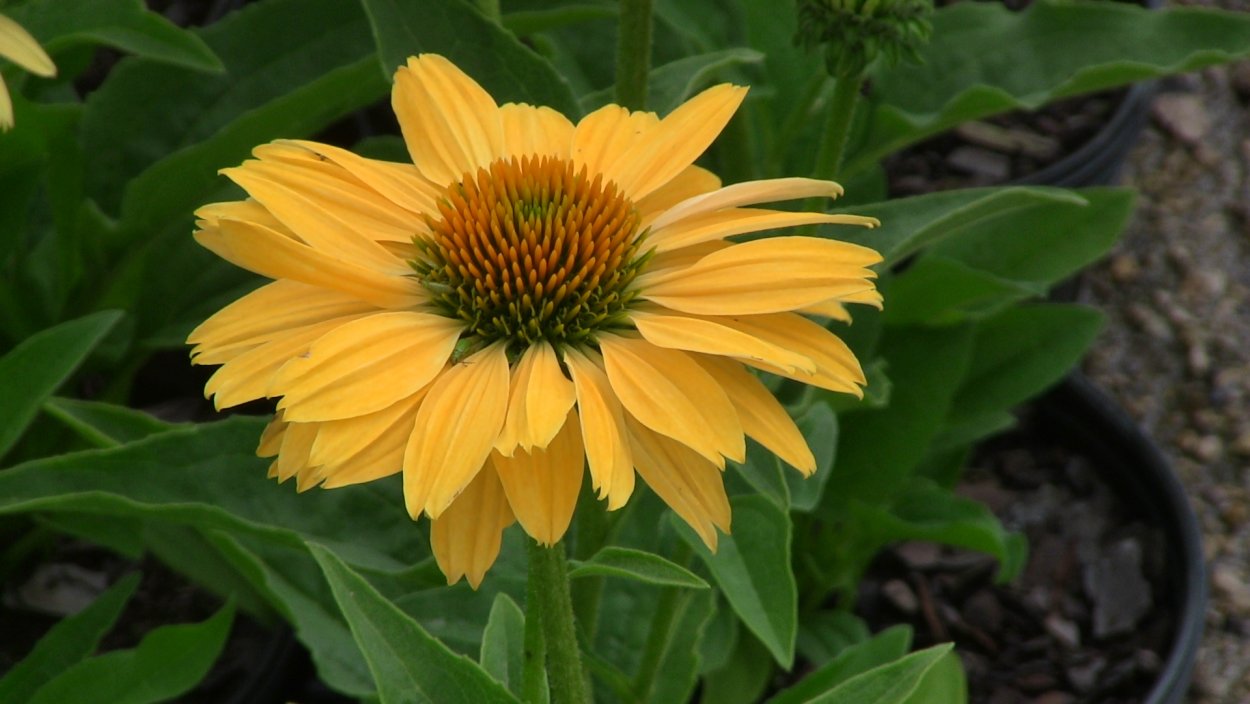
<point x="1087" y="620"/>
<point x="1002" y="149"/>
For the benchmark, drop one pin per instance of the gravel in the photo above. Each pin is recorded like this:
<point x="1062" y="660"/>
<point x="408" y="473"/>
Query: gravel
<point x="1176" y="347"/>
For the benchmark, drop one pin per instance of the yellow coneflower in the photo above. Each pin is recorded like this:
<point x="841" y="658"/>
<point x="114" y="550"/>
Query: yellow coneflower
<point x="18" y="46"/>
<point x="527" y="299"/>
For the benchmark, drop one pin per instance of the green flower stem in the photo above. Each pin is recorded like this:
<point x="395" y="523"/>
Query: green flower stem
<point x="661" y="631"/>
<point x="534" y="660"/>
<point x="633" y="54"/>
<point x="833" y="142"/>
<point x="548" y="602"/>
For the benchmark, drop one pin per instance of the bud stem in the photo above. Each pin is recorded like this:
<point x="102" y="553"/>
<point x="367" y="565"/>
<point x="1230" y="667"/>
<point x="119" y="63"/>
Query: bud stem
<point x="833" y="142"/>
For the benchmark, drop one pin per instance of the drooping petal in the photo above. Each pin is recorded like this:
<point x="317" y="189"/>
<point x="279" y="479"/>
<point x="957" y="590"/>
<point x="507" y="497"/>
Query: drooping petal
<point x="677" y="141"/>
<point x="459" y="421"/>
<point x="737" y="221"/>
<point x="709" y="335"/>
<point x="669" y="393"/>
<point x="539" y="400"/>
<point x="542" y="485"/>
<point x="836" y="366"/>
<point x="382" y="457"/>
<point x="18" y="46"/>
<point x="265" y="313"/>
<point x="450" y="124"/>
<point x="834" y="310"/>
<point x="688" y="183"/>
<point x="688" y="483"/>
<point x="272" y="254"/>
<point x="466" y="538"/>
<point x="603" y="428"/>
<point x="529" y="131"/>
<point x="271" y="438"/>
<point x="366" y="365"/>
<point x="402" y="184"/>
<point x="339" y="440"/>
<point x="763" y="276"/>
<point x="772" y="190"/>
<point x="247" y="376"/>
<point x="297" y="440"/>
<point x="6" y="106"/>
<point x="763" y="418"/>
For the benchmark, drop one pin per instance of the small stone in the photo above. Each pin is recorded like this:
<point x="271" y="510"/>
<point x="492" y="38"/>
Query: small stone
<point x="1009" y="140"/>
<point x="1006" y="695"/>
<point x="982" y="610"/>
<point x="1063" y="630"/>
<point x="1147" y="661"/>
<point x="59" y="589"/>
<point x="1198" y="358"/>
<point x="1125" y="268"/>
<point x="984" y="164"/>
<point x="919" y="555"/>
<point x="901" y="596"/>
<point x="1183" y="116"/>
<point x="1085" y="677"/>
<point x="1208" y="448"/>
<point x="1239" y="79"/>
<point x="1035" y="681"/>
<point x="1241" y="445"/>
<point x="1149" y="321"/>
<point x="1119" y="590"/>
<point x="1230" y="588"/>
<point x="1054" y="697"/>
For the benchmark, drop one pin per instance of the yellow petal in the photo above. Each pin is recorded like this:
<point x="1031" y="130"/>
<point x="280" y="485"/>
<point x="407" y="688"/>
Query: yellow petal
<point x="542" y="485"/>
<point x="688" y="183"/>
<point x="271" y="254"/>
<point x="720" y="224"/>
<point x="709" y="335"/>
<point x="466" y="538"/>
<point x="457" y="425"/>
<point x="677" y="141"/>
<point x="18" y="46"/>
<point x="836" y="366"/>
<point x="297" y="440"/>
<point x="271" y="437"/>
<point x="688" y="483"/>
<point x="529" y="131"/>
<point x="6" y="107"/>
<point x="402" y="184"/>
<point x="366" y="365"/>
<point x="833" y="310"/>
<point x="763" y="418"/>
<point x="763" y="276"/>
<point x="669" y="393"/>
<point x="450" y="124"/>
<point x="246" y="377"/>
<point x="381" y="457"/>
<point x="606" y="137"/>
<point x="603" y="428"/>
<point x="685" y="257"/>
<point x="539" y="401"/>
<point x="265" y="313"/>
<point x="339" y="440"/>
<point x="750" y="193"/>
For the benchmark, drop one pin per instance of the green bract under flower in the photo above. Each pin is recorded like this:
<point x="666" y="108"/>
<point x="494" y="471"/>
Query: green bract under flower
<point x="855" y="32"/>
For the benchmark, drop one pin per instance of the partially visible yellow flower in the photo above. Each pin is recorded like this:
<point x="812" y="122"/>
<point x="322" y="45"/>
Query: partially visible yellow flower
<point x="529" y="298"/>
<point x="18" y="46"/>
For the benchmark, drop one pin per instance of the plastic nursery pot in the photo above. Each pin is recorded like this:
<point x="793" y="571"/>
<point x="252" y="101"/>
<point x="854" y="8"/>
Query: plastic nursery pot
<point x="1132" y="463"/>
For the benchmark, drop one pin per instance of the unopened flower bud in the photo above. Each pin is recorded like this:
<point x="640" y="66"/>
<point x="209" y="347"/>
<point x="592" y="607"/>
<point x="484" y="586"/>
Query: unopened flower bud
<point x="855" y="32"/>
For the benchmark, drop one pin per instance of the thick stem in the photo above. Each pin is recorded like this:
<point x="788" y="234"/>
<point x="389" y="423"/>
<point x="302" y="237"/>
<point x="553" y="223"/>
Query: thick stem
<point x="548" y="601"/>
<point x="660" y="633"/>
<point x="633" y="54"/>
<point x="534" y="660"/>
<point x="833" y="142"/>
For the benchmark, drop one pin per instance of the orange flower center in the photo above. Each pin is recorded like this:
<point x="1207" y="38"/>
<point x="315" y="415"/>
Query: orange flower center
<point x="528" y="250"/>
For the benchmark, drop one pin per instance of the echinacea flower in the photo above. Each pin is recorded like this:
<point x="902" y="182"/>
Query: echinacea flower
<point x="527" y="299"/>
<point x="18" y="46"/>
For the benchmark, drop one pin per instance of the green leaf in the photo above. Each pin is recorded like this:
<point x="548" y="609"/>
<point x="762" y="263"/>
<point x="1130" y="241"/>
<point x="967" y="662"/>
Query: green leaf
<point x="819" y="426"/>
<point x="743" y="678"/>
<point x="505" y="67"/>
<point x="34" y="369"/>
<point x="104" y="424"/>
<point x="909" y="224"/>
<point x="886" y="684"/>
<point x="407" y="663"/>
<point x="672" y="84"/>
<point x="985" y="59"/>
<point x="925" y="511"/>
<point x="68" y="641"/>
<point x="525" y="22"/>
<point x="938" y="290"/>
<point x="176" y="127"/>
<point x="503" y="643"/>
<point x="123" y="536"/>
<point x="1044" y="243"/>
<point x="679" y="663"/>
<point x="825" y="634"/>
<point x="638" y="565"/>
<point x="752" y="568"/>
<point x="944" y="683"/>
<point x="885" y="647"/>
<point x="167" y="662"/>
<point x="878" y="448"/>
<point x="125" y="25"/>
<point x="1021" y="352"/>
<point x="208" y="476"/>
<point x="764" y="472"/>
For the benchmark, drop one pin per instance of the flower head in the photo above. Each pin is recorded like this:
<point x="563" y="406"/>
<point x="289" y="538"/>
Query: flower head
<point x="529" y="298"/>
<point x="855" y="32"/>
<point x="18" y="46"/>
